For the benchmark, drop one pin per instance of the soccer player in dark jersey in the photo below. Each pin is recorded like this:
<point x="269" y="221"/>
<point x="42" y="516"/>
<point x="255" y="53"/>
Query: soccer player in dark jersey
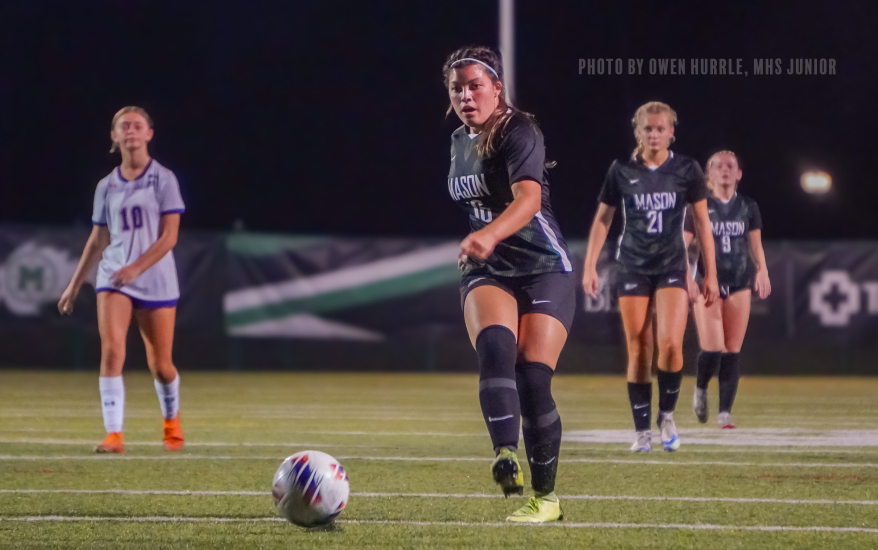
<point x="740" y="264"/>
<point x="518" y="288"/>
<point x="652" y="187"/>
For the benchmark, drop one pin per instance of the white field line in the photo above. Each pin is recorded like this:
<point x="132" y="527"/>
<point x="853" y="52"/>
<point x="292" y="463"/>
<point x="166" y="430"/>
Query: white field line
<point x="579" y="446"/>
<point x="98" y="432"/>
<point x="90" y="442"/>
<point x="451" y="495"/>
<point x="564" y="525"/>
<point x="449" y="459"/>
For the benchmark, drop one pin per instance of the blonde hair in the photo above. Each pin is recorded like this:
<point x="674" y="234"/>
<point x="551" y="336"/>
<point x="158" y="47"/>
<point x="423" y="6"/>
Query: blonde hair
<point x="710" y="183"/>
<point x="124" y="111"/>
<point x="651" y="108"/>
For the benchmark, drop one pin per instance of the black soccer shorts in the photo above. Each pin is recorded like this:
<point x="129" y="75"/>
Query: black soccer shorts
<point x="553" y="294"/>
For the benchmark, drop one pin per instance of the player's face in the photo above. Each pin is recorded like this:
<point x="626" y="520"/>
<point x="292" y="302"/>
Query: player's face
<point x="132" y="131"/>
<point x="724" y="170"/>
<point x="655" y="132"/>
<point x="473" y="94"/>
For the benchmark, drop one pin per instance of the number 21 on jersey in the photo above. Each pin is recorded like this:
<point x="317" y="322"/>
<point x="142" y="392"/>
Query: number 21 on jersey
<point x="655" y="221"/>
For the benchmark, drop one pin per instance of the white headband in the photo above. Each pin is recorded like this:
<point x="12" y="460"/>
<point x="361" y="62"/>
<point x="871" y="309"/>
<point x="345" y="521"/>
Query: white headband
<point x="480" y="63"/>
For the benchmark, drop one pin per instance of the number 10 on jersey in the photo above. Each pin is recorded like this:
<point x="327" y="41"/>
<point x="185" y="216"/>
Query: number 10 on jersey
<point x="655" y="221"/>
<point x="481" y="212"/>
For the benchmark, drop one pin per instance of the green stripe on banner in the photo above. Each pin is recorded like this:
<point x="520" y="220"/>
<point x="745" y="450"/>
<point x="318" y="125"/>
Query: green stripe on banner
<point x="260" y="244"/>
<point x="349" y="297"/>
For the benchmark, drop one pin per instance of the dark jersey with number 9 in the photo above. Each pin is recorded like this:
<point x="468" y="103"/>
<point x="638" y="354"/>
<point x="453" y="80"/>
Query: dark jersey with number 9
<point x="732" y="223"/>
<point x="653" y="206"/>
<point x="483" y="187"/>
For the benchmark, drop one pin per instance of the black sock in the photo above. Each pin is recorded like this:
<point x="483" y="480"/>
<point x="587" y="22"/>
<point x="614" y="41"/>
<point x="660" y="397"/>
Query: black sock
<point x="640" y="396"/>
<point x="729" y="373"/>
<point x="708" y="364"/>
<point x="669" y="390"/>
<point x="541" y="424"/>
<point x="498" y="393"/>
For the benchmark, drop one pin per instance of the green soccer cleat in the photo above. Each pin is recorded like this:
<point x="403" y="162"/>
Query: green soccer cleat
<point x="507" y="473"/>
<point x="538" y="510"/>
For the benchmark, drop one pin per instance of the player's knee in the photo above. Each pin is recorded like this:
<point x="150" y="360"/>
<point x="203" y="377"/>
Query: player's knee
<point x="670" y="347"/>
<point x="112" y="354"/>
<point x="732" y="347"/>
<point x="164" y="371"/>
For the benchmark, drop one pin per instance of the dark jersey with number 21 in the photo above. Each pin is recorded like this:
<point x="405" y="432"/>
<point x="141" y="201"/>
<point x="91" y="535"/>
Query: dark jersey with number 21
<point x="732" y="223"/>
<point x="653" y="205"/>
<point x="483" y="187"/>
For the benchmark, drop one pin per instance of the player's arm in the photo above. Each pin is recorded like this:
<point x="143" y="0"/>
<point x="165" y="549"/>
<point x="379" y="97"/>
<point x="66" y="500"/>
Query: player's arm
<point x="704" y="234"/>
<point x="97" y="242"/>
<point x="600" y="227"/>
<point x="763" y="283"/>
<point x="691" y="285"/>
<point x="526" y="203"/>
<point x="169" y="227"/>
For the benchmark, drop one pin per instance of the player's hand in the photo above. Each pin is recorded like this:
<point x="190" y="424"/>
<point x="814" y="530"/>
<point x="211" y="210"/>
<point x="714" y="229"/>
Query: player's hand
<point x="124" y="276"/>
<point x="763" y="284"/>
<point x="710" y="290"/>
<point x="65" y="304"/>
<point x="590" y="283"/>
<point x="694" y="290"/>
<point x="477" y="246"/>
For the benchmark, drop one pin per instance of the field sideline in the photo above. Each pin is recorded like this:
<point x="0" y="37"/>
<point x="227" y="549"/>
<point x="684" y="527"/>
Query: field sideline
<point x="801" y="472"/>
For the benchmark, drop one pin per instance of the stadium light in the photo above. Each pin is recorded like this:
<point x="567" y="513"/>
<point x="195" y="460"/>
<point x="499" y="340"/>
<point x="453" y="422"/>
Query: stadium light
<point x="816" y="182"/>
<point x="507" y="46"/>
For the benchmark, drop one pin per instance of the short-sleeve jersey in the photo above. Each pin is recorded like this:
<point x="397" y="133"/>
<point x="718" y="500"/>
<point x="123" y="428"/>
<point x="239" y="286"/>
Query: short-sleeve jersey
<point x="483" y="187"/>
<point x="132" y="210"/>
<point x="653" y="205"/>
<point x="732" y="223"/>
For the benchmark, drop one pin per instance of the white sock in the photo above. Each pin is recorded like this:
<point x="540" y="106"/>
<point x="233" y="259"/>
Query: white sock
<point x="112" y="402"/>
<point x="169" y="397"/>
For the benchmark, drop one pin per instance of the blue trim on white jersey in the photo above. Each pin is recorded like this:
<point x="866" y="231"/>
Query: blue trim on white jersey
<point x="176" y="211"/>
<point x="145" y="170"/>
<point x="137" y="303"/>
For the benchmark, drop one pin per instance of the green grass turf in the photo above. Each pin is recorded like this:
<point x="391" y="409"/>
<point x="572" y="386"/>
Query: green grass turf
<point x="252" y="421"/>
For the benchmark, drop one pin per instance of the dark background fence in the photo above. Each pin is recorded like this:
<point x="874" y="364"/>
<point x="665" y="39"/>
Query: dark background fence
<point x="265" y="301"/>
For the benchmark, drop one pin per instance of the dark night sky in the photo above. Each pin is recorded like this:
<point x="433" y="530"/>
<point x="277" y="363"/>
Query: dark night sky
<point x="328" y="117"/>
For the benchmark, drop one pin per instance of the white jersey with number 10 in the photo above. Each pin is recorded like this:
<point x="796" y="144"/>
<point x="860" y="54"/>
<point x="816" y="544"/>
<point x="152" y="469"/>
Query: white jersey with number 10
<point x="132" y="211"/>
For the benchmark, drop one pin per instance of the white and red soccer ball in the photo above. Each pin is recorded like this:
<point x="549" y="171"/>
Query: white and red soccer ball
<point x="310" y="489"/>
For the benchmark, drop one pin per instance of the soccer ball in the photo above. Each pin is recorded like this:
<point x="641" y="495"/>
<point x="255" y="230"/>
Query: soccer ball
<point x="310" y="489"/>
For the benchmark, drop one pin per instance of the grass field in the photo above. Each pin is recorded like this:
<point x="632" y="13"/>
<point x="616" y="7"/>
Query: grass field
<point x="800" y="472"/>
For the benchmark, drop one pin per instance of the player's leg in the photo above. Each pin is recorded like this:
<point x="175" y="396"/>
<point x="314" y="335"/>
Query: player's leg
<point x="491" y="315"/>
<point x="157" y="330"/>
<point x="672" y="312"/>
<point x="709" y="323"/>
<point x="114" y="318"/>
<point x="637" y="321"/>
<point x="541" y="338"/>
<point x="736" y="316"/>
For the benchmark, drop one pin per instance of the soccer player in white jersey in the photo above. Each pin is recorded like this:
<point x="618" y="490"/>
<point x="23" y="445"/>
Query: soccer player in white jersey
<point x="136" y="220"/>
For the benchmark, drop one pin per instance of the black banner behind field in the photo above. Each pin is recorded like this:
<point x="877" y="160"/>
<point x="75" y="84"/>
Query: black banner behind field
<point x="284" y="302"/>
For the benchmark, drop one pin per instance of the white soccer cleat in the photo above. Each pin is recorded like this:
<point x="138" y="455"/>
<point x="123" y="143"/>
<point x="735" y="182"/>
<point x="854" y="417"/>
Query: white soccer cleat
<point x="643" y="442"/>
<point x="724" y="421"/>
<point x="699" y="404"/>
<point x="670" y="439"/>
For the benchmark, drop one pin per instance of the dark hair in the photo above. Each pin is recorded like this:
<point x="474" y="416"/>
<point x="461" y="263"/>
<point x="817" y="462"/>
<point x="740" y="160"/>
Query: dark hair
<point x="500" y="117"/>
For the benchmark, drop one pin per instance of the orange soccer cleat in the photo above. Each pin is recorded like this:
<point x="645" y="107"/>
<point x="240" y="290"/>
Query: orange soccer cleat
<point x="173" y="434"/>
<point x="113" y="443"/>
